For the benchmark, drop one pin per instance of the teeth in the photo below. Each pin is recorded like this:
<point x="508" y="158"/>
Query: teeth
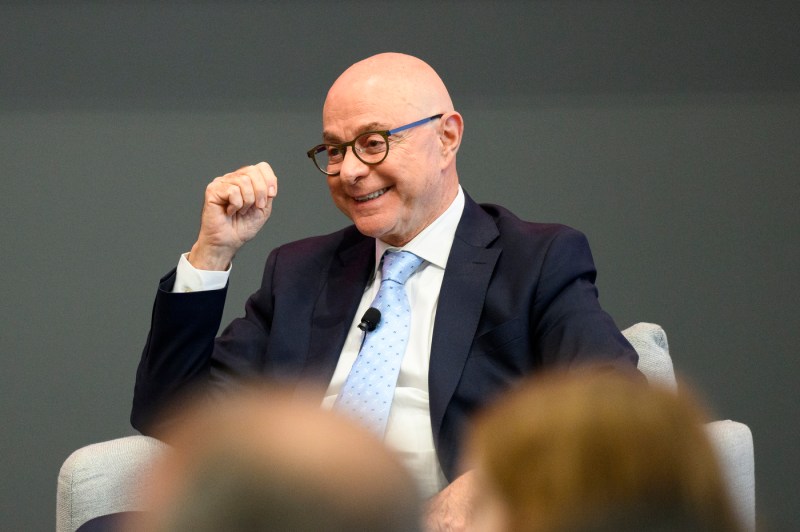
<point x="374" y="195"/>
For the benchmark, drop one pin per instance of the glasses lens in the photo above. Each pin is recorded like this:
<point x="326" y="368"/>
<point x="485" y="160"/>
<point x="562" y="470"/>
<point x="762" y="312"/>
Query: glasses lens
<point x="371" y="147"/>
<point x="327" y="157"/>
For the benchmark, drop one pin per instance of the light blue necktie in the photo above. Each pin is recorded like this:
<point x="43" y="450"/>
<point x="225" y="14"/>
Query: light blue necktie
<point x="368" y="391"/>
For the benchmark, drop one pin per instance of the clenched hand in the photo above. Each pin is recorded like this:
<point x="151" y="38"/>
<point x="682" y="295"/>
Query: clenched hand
<point x="236" y="206"/>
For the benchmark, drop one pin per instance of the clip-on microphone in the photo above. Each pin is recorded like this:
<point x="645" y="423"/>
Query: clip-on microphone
<point x="370" y="319"/>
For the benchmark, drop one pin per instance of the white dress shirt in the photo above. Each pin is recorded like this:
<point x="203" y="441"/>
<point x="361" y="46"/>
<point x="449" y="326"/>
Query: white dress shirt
<point x="408" y="431"/>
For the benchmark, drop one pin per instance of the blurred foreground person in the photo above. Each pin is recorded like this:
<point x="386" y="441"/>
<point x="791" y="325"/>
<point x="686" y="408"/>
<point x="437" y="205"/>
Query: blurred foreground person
<point x="267" y="460"/>
<point x="595" y="451"/>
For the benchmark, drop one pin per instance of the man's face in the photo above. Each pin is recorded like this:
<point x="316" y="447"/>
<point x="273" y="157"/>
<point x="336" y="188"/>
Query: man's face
<point x="398" y="198"/>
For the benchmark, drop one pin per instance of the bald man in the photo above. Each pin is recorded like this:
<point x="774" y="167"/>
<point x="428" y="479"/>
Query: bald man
<point x="495" y="297"/>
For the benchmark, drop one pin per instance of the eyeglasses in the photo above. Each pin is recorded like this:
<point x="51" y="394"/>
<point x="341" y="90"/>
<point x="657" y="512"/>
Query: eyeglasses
<point x="370" y="147"/>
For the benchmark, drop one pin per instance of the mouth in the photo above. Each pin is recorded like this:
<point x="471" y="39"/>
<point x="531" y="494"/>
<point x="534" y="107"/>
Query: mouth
<point x="372" y="195"/>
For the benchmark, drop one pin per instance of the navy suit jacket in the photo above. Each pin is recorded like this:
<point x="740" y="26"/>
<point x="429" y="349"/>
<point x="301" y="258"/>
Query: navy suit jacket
<point x="516" y="297"/>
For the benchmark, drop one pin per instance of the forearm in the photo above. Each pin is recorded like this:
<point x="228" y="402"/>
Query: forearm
<point x="178" y="349"/>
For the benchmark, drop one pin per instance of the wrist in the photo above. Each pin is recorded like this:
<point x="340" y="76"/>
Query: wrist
<point x="211" y="258"/>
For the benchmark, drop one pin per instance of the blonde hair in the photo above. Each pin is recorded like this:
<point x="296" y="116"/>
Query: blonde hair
<point x="596" y="450"/>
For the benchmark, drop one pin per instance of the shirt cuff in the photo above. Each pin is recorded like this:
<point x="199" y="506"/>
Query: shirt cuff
<point x="190" y="279"/>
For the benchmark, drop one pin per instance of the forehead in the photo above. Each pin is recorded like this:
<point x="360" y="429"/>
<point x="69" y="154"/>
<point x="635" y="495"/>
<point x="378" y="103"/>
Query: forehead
<point x="332" y="135"/>
<point x="374" y="104"/>
<point x="342" y="123"/>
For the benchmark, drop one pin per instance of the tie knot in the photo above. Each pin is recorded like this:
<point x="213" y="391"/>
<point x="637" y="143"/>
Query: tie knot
<point x="399" y="265"/>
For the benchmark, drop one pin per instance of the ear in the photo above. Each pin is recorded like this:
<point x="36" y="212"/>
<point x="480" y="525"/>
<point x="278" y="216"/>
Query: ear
<point x="450" y="134"/>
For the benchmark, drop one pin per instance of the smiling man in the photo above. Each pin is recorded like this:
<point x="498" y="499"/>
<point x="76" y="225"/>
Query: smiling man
<point x="485" y="297"/>
<point x="399" y="197"/>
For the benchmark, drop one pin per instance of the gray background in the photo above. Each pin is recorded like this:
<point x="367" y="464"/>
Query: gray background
<point x="667" y="131"/>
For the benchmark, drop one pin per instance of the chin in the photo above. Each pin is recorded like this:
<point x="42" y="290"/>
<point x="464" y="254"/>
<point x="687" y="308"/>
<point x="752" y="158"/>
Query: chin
<point x="371" y="230"/>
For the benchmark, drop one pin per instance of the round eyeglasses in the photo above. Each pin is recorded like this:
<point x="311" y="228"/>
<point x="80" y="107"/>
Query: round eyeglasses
<point x="370" y="147"/>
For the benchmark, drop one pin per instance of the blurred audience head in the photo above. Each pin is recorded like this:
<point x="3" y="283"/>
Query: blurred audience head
<point x="267" y="459"/>
<point x="596" y="451"/>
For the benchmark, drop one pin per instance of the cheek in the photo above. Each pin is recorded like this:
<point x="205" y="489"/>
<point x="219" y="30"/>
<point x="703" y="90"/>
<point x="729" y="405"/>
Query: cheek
<point x="335" y="188"/>
<point x="417" y="183"/>
<point x="333" y="184"/>
<point x="338" y="197"/>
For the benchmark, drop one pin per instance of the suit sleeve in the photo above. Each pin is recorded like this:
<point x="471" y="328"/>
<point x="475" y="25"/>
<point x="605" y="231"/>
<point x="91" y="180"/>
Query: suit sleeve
<point x="181" y="352"/>
<point x="570" y="326"/>
<point x="178" y="349"/>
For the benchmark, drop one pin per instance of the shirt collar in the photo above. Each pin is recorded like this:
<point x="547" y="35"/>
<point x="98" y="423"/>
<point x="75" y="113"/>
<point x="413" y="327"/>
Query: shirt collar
<point x="434" y="242"/>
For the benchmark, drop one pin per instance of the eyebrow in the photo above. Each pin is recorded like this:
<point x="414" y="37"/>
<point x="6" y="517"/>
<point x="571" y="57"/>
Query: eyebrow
<point x="372" y="126"/>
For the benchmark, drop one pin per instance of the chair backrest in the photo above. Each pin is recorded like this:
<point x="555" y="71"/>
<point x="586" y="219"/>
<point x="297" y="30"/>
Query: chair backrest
<point x="650" y="342"/>
<point x="732" y="440"/>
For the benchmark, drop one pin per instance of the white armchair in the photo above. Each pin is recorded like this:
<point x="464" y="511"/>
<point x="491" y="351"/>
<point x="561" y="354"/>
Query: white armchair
<point x="102" y="478"/>
<point x="732" y="440"/>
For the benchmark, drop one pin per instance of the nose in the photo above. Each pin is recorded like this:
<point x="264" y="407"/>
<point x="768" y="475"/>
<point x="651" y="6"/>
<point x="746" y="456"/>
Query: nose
<point x="352" y="168"/>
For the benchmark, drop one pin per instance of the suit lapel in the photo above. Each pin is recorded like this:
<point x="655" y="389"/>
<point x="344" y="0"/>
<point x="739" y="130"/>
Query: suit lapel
<point x="466" y="279"/>
<point x="349" y="271"/>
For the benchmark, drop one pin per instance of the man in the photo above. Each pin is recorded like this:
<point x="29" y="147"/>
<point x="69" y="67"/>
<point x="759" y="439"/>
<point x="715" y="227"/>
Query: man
<point x="495" y="298"/>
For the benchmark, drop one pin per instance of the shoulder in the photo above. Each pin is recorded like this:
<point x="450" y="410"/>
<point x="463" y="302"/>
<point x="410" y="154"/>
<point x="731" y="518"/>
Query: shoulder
<point x="322" y="243"/>
<point x="523" y="244"/>
<point x="513" y="230"/>
<point x="318" y="250"/>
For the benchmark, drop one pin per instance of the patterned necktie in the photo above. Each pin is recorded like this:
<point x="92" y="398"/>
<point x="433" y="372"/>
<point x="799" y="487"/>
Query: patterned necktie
<point x="369" y="388"/>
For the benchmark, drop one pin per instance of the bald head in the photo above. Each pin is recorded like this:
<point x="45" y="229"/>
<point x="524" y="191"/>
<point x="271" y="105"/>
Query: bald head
<point x="393" y="79"/>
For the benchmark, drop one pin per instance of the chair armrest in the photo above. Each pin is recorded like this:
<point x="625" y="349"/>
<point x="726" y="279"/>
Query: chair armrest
<point x="97" y="479"/>
<point x="733" y="442"/>
<point x="650" y="342"/>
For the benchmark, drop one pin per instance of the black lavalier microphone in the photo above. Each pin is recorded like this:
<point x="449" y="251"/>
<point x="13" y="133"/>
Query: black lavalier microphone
<point x="370" y="319"/>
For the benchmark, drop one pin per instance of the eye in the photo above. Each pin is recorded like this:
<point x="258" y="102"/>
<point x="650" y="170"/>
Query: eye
<point x="371" y="143"/>
<point x="334" y="152"/>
